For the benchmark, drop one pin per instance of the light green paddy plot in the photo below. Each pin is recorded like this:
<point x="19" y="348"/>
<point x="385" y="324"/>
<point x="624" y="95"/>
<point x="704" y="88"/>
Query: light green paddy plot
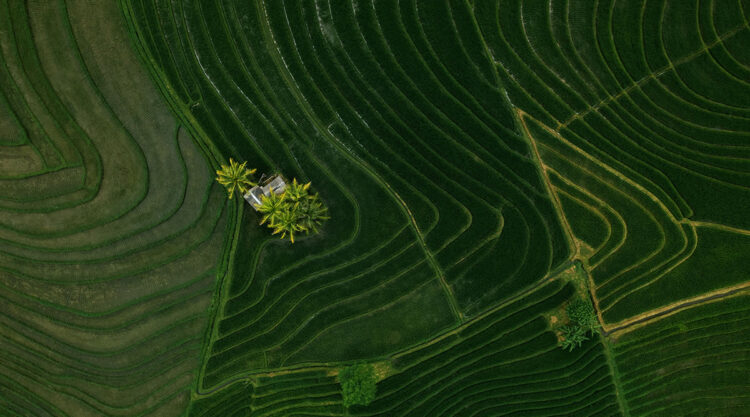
<point x="112" y="232"/>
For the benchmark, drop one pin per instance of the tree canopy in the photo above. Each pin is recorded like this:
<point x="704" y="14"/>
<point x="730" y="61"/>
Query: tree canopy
<point x="582" y="317"/>
<point x="293" y="211"/>
<point x="581" y="311"/>
<point x="271" y="206"/>
<point x="235" y="176"/>
<point x="573" y="336"/>
<point x="358" y="384"/>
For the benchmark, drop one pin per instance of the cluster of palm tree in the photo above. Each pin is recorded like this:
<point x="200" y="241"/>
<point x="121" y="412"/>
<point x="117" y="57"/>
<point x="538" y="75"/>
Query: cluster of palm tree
<point x="236" y="176"/>
<point x="583" y="320"/>
<point x="573" y="337"/>
<point x="293" y="211"/>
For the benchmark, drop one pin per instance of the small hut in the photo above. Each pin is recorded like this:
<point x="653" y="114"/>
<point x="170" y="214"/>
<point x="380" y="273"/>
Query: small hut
<point x="274" y="184"/>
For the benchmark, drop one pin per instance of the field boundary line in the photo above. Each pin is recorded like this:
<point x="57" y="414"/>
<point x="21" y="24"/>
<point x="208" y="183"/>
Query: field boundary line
<point x="364" y="165"/>
<point x="572" y="241"/>
<point x="650" y="316"/>
<point x="592" y="209"/>
<point x="224" y="276"/>
<point x="327" y="366"/>
<point x="214" y="159"/>
<point x="652" y="76"/>
<point x="661" y="311"/>
<point x="398" y="299"/>
<point x="553" y="275"/>
<point x="615" y="373"/>
<point x="722" y="227"/>
<point x="604" y="166"/>
<point x="260" y="374"/>
<point x="616" y="214"/>
<point x="430" y="257"/>
<point x="658" y="271"/>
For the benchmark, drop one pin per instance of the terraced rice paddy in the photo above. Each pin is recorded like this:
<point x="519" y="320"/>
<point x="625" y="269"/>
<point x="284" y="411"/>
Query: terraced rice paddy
<point x="482" y="161"/>
<point x="641" y="112"/>
<point x="113" y="233"/>
<point x="415" y="236"/>
<point x="695" y="362"/>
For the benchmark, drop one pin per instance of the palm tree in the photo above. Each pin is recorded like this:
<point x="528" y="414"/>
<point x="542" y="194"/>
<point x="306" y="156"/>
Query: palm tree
<point x="312" y="213"/>
<point x="235" y="177"/>
<point x="296" y="192"/>
<point x="295" y="210"/>
<point x="581" y="311"/>
<point x="271" y="206"/>
<point x="287" y="222"/>
<point x="573" y="336"/>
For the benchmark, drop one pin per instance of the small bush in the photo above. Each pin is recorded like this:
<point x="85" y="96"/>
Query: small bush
<point x="581" y="312"/>
<point x="574" y="335"/>
<point x="582" y="317"/>
<point x="358" y="384"/>
<point x="235" y="176"/>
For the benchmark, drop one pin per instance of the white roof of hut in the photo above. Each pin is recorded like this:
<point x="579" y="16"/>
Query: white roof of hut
<point x="275" y="185"/>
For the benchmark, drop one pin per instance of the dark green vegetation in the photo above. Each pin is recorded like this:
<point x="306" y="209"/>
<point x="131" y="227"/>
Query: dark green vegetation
<point x="358" y="384"/>
<point x="573" y="336"/>
<point x="641" y="112"/>
<point x="483" y="164"/>
<point x="696" y="362"/>
<point x="420" y="162"/>
<point x="581" y="312"/>
<point x="581" y="322"/>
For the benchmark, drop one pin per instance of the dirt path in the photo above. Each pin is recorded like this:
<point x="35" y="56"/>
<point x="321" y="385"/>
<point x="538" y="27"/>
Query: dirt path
<point x="572" y="241"/>
<point x="709" y="225"/>
<point x="671" y="309"/>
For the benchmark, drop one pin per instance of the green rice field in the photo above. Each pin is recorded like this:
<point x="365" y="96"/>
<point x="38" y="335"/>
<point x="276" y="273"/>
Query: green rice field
<point x="485" y="164"/>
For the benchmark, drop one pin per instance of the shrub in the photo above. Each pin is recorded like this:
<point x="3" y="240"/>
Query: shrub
<point x="581" y="312"/>
<point x="573" y="336"/>
<point x="358" y="384"/>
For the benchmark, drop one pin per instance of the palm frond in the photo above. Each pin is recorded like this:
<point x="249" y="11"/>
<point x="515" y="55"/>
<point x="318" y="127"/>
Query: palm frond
<point x="235" y="176"/>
